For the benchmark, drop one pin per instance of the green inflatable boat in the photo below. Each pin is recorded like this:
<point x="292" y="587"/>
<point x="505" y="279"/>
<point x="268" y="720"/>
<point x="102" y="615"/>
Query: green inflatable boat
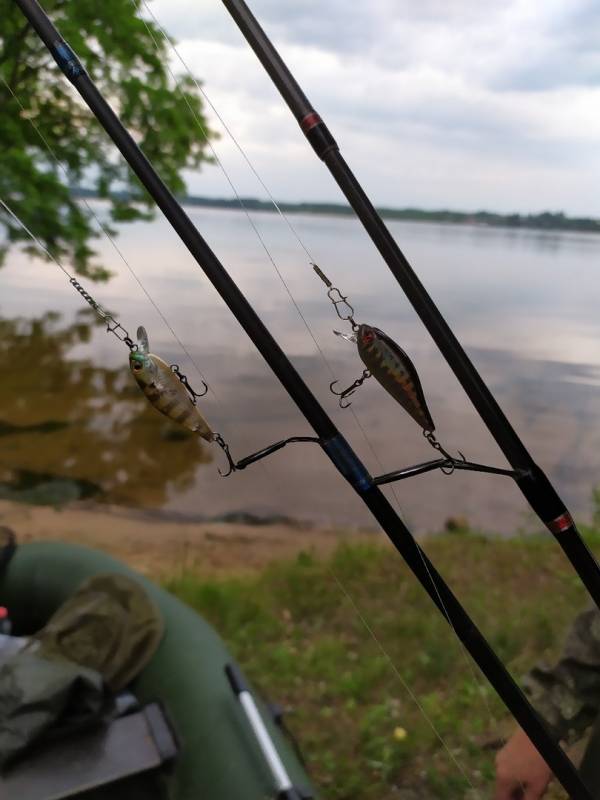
<point x="222" y="753"/>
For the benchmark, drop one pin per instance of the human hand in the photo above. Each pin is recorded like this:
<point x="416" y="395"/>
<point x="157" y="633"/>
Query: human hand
<point x="521" y="772"/>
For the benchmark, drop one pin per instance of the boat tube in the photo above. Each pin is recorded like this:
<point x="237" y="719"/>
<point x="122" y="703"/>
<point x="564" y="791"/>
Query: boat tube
<point x="219" y="756"/>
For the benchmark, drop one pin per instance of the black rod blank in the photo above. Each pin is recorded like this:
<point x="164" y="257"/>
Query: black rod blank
<point x="534" y="484"/>
<point x="332" y="442"/>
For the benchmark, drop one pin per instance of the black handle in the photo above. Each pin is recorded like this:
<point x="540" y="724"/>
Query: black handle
<point x="236" y="679"/>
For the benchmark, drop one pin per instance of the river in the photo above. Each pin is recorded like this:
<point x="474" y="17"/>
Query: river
<point x="523" y="303"/>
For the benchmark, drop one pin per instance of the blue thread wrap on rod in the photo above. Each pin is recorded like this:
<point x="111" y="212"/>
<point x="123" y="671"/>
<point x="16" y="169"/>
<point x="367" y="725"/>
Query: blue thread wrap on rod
<point x="344" y="458"/>
<point x="67" y="60"/>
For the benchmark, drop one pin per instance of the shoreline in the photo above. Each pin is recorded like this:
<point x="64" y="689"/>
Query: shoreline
<point x="545" y="221"/>
<point x="161" y="542"/>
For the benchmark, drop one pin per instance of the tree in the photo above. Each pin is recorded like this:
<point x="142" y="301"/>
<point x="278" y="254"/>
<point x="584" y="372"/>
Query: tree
<point x="126" y="56"/>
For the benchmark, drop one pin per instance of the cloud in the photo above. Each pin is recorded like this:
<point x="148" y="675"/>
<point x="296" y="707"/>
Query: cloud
<point x="466" y="104"/>
<point x="558" y="48"/>
<point x="520" y="44"/>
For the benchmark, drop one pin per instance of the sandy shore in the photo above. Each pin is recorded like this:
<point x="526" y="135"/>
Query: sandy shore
<point x="156" y="544"/>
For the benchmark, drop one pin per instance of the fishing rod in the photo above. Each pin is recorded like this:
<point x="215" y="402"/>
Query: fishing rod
<point x="530" y="478"/>
<point x="330" y="439"/>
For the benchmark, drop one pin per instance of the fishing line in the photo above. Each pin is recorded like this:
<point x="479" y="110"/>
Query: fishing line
<point x="108" y="235"/>
<point x="264" y="467"/>
<point x="112" y="325"/>
<point x="156" y="387"/>
<point x="215" y="155"/>
<point x="402" y="680"/>
<point x="334" y="444"/>
<point x="405" y="385"/>
<point x="117" y="329"/>
<point x="220" y="163"/>
<point x="127" y="339"/>
<point x="182" y="377"/>
<point x="225" y="126"/>
<point x="243" y="207"/>
<point x="363" y="620"/>
<point x="343" y="308"/>
<point x="336" y="297"/>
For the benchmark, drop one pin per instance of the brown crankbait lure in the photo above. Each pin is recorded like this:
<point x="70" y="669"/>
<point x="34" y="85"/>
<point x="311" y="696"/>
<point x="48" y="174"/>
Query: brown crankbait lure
<point x="384" y="360"/>
<point x="164" y="389"/>
<point x="393" y="369"/>
<point x="167" y="390"/>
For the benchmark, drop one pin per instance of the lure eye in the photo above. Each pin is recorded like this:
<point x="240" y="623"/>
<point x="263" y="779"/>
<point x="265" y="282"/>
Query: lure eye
<point x="137" y="366"/>
<point x="368" y="337"/>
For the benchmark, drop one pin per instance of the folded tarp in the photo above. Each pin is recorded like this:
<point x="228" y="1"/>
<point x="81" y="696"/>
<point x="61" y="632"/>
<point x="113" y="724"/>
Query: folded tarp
<point x="95" y="644"/>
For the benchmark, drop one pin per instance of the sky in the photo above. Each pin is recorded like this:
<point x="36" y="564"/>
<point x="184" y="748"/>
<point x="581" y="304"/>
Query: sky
<point x="461" y="104"/>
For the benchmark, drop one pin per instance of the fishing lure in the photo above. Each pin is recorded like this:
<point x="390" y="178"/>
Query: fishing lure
<point x="387" y="362"/>
<point x="384" y="359"/>
<point x="164" y="390"/>
<point x="168" y="390"/>
<point x="392" y="368"/>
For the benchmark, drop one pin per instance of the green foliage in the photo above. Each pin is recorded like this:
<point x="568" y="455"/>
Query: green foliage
<point x="126" y="56"/>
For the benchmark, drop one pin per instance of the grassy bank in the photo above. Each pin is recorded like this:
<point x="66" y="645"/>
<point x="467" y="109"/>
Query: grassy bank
<point x="381" y="694"/>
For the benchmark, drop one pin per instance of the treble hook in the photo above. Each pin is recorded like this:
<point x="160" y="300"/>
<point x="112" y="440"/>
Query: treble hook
<point x="351" y="389"/>
<point x="449" y="467"/>
<point x="186" y="383"/>
<point x="225" y="448"/>
<point x="452" y="462"/>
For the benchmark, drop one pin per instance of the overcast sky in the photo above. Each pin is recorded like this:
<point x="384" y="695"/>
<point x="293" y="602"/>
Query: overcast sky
<point x="462" y="104"/>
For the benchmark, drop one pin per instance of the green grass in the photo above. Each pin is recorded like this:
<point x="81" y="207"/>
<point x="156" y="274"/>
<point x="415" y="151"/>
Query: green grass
<point x="351" y="671"/>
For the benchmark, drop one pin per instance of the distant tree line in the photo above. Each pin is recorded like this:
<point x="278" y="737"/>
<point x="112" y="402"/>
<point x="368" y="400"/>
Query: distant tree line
<point x="547" y="220"/>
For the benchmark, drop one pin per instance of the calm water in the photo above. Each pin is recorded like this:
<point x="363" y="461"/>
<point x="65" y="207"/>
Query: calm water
<point x="524" y="304"/>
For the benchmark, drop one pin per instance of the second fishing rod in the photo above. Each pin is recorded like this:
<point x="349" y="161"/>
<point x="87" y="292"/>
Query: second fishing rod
<point x="532" y="481"/>
<point x="332" y="442"/>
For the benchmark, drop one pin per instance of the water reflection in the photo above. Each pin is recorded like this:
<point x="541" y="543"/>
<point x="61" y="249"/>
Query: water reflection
<point x="70" y="429"/>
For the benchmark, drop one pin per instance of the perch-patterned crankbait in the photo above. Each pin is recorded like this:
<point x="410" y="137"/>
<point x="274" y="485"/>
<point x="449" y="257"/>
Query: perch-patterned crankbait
<point x="164" y="389"/>
<point x="384" y="360"/>
<point x="393" y="369"/>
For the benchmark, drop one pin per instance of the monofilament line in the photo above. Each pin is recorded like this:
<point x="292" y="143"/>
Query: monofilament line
<point x="111" y="239"/>
<point x="118" y="330"/>
<point x="275" y="266"/>
<point x="34" y="238"/>
<point x="477" y="679"/>
<point x="399" y="676"/>
<point x="228" y="130"/>
<point x="240" y="201"/>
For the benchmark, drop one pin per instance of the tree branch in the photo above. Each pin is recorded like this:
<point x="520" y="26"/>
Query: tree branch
<point x="16" y="40"/>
